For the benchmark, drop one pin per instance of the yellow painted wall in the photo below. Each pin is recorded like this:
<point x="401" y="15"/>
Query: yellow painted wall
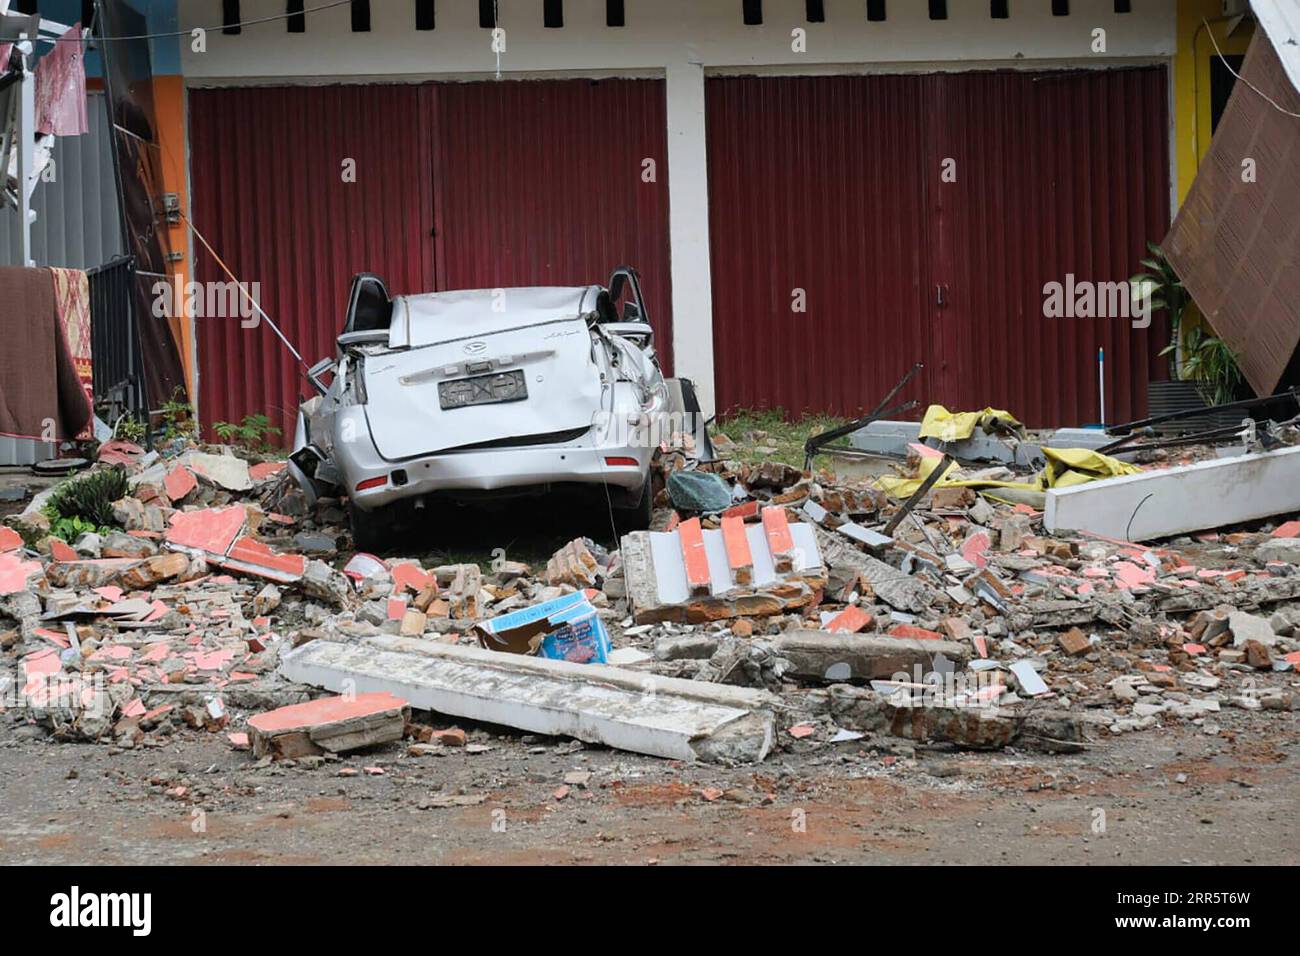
<point x="1192" y="81"/>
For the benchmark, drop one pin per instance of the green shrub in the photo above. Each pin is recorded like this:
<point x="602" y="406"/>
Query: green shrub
<point x="254" y="433"/>
<point x="85" y="503"/>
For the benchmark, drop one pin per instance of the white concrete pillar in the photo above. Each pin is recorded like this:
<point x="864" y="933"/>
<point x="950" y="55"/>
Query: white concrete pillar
<point x="688" y="229"/>
<point x="26" y="149"/>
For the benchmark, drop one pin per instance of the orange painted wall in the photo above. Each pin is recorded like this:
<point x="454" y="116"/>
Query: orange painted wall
<point x="169" y="107"/>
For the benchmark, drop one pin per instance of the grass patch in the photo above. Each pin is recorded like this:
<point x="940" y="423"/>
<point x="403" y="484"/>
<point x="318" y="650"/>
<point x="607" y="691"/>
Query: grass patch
<point x="775" y="431"/>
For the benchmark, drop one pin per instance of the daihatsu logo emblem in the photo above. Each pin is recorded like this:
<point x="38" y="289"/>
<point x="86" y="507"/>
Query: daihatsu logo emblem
<point x="474" y="348"/>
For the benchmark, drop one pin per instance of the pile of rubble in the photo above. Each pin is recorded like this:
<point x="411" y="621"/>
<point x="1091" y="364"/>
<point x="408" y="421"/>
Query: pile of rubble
<point x="768" y="605"/>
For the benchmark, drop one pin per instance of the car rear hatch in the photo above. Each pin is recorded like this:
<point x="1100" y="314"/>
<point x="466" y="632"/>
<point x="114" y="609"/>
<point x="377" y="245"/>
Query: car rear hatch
<point x="499" y="383"/>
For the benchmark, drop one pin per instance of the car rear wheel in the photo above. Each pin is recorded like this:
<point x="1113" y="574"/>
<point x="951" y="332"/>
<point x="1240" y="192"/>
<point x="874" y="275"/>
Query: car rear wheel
<point x="373" y="530"/>
<point x="637" y="517"/>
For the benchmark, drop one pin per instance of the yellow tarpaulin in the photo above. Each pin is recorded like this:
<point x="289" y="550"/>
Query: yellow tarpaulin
<point x="954" y="426"/>
<point x="1065" y="467"/>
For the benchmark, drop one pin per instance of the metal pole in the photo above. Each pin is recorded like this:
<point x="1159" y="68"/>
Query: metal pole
<point x="26" y="145"/>
<point x="1101" y="382"/>
<point x="939" y="471"/>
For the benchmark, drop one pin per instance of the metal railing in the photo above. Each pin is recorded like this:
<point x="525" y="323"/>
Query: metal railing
<point x="115" y="340"/>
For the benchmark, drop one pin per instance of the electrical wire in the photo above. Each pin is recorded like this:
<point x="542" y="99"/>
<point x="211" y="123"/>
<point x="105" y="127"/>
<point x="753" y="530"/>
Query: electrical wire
<point x="1268" y="99"/>
<point x="243" y="289"/>
<point x="221" y="26"/>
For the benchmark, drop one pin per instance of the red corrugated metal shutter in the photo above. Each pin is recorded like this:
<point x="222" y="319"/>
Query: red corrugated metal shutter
<point x="1057" y="173"/>
<point x="269" y="196"/>
<point x="833" y="185"/>
<point x="815" y="185"/>
<point x="541" y="183"/>
<point x="457" y="186"/>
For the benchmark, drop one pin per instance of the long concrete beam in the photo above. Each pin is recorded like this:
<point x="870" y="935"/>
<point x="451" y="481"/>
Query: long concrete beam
<point x="664" y="717"/>
<point x="1170" y="501"/>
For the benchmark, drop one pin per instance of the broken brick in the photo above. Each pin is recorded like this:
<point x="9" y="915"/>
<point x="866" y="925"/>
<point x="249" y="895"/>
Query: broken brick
<point x="330" y="724"/>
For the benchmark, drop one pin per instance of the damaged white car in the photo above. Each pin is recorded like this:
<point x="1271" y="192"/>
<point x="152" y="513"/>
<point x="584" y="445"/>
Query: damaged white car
<point x="485" y="392"/>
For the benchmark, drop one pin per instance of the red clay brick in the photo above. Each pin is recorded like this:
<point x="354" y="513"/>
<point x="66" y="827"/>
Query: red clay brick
<point x="739" y="559"/>
<point x="697" y="562"/>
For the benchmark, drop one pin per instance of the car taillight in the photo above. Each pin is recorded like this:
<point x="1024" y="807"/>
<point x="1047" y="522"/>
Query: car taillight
<point x="372" y="483"/>
<point x="616" y="462"/>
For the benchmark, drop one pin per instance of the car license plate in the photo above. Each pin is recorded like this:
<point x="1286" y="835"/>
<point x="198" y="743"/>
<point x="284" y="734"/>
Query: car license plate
<point x="483" y="390"/>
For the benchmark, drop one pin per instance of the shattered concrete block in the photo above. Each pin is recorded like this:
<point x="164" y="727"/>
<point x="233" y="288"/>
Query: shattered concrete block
<point x="1279" y="549"/>
<point x="694" y="646"/>
<point x="978" y="728"/>
<point x="1012" y="531"/>
<point x="952" y="498"/>
<point x="573" y="564"/>
<point x="1258" y="655"/>
<point x="1249" y="627"/>
<point x="93" y="573"/>
<point x="152" y="571"/>
<point x="426" y="597"/>
<point x="890" y="585"/>
<point x="957" y="629"/>
<point x="819" y="655"/>
<point x="224" y="471"/>
<point x="119" y="545"/>
<point x="331" y="724"/>
<point x="506" y="571"/>
<point x="1074" y="642"/>
<point x="463" y="592"/>
<point x="1206" y="626"/>
<point x="413" y="623"/>
<point x="324" y="583"/>
<point x="266" y="600"/>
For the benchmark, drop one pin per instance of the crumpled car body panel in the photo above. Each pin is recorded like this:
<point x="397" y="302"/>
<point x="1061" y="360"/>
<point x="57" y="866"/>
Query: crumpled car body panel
<point x="449" y="416"/>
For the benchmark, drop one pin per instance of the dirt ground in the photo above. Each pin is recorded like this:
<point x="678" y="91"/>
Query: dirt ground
<point x="1172" y="797"/>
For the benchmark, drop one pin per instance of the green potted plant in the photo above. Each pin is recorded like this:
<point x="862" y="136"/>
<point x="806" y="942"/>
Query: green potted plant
<point x="1212" y="364"/>
<point x="1161" y="288"/>
<point x="1203" y="369"/>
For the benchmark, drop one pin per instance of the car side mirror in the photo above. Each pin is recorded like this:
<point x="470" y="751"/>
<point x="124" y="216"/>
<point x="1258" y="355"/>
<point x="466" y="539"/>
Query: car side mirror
<point x="320" y="368"/>
<point x="640" y="333"/>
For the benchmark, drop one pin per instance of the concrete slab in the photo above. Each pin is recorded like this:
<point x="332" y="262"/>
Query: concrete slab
<point x="225" y="471"/>
<point x="1171" y="501"/>
<point x="207" y="532"/>
<point x="893" y="438"/>
<point x="663" y="717"/>
<point x="861" y="657"/>
<point x="333" y="724"/>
